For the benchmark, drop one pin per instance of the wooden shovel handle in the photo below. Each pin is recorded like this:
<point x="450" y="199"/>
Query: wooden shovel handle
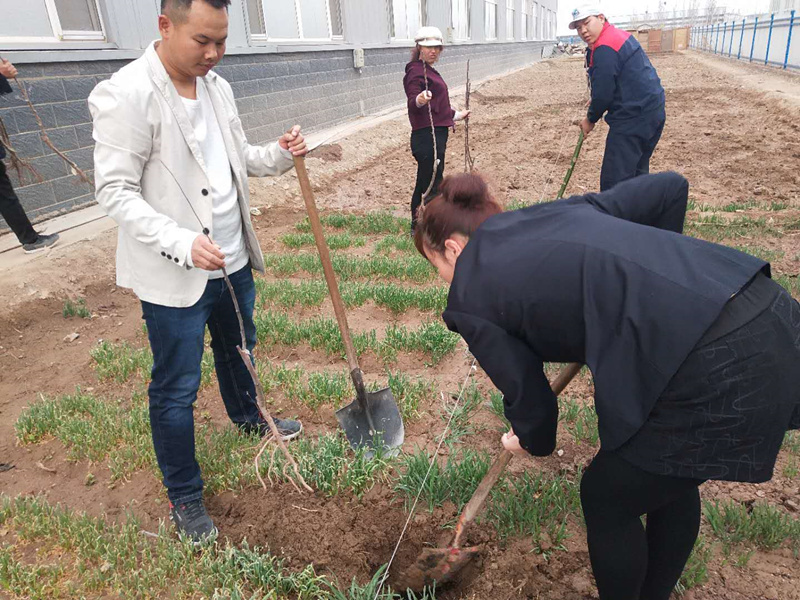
<point x="327" y="266"/>
<point x="475" y="503"/>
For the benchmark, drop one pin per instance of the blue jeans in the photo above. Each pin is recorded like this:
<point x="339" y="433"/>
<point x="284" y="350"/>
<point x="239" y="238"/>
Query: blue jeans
<point x="176" y="338"/>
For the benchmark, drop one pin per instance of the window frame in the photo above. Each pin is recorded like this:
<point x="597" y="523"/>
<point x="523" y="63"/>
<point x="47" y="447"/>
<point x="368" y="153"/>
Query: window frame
<point x="487" y="3"/>
<point x="468" y="14"/>
<point x="298" y="15"/>
<point x="422" y="7"/>
<point x="511" y="14"/>
<point x="59" y="34"/>
<point x="523" y="20"/>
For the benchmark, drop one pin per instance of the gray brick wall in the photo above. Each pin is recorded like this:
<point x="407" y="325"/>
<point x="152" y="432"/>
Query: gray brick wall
<point x="273" y="91"/>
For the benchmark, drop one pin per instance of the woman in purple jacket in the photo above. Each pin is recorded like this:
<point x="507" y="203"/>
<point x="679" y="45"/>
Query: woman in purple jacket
<point x="425" y="101"/>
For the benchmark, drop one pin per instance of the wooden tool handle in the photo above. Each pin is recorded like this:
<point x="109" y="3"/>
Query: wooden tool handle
<point x="481" y="493"/>
<point x="475" y="503"/>
<point x="327" y="266"/>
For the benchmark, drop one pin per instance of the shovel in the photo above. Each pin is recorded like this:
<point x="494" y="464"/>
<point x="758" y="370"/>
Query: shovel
<point x="373" y="417"/>
<point x="441" y="565"/>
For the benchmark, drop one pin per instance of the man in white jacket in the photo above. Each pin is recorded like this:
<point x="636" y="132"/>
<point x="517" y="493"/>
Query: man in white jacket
<point x="171" y="167"/>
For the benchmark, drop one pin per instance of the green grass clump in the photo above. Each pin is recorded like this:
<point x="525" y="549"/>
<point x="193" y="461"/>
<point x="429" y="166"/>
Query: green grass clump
<point x="762" y="253"/>
<point x="791" y="442"/>
<point x="432" y="339"/>
<point x="75" y="309"/>
<point x="394" y="297"/>
<point x="761" y="525"/>
<point x="370" y="223"/>
<point x="336" y="241"/>
<point x="317" y="389"/>
<point x="533" y="504"/>
<point x="93" y="429"/>
<point x="329" y="465"/>
<point x="412" y="268"/>
<point x="454" y="481"/>
<point x="83" y="556"/>
<point x="121" y="362"/>
<point x="401" y="242"/>
<point x="459" y="413"/>
<point x="409" y="393"/>
<point x="579" y="419"/>
<point x="716" y="228"/>
<point x="695" y="573"/>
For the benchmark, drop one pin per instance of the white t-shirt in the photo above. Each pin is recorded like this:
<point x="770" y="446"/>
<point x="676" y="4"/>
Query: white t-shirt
<point x="227" y="218"/>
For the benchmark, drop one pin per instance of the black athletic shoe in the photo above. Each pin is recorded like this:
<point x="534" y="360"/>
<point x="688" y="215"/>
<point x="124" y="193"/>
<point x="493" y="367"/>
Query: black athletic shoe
<point x="193" y="521"/>
<point x="42" y="243"/>
<point x="288" y="428"/>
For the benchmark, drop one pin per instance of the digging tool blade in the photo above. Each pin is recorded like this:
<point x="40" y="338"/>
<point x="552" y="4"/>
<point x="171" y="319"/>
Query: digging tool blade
<point x="376" y="420"/>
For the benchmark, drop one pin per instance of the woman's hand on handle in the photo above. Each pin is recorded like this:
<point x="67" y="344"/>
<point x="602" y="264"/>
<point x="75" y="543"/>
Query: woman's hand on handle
<point x="511" y="443"/>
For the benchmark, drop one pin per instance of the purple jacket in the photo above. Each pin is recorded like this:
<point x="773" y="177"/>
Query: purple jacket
<point x="414" y="83"/>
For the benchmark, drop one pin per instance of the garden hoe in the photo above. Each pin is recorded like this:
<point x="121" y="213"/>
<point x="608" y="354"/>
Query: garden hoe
<point x="373" y="417"/>
<point x="441" y="565"/>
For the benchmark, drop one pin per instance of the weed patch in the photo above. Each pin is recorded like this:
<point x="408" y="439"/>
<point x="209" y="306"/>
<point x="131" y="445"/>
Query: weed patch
<point x="761" y="525"/>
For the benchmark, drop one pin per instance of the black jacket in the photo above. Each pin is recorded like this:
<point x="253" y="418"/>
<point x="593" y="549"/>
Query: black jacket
<point x="602" y="279"/>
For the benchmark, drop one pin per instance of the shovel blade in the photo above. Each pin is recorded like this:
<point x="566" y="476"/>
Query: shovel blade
<point x="385" y="414"/>
<point x="435" y="565"/>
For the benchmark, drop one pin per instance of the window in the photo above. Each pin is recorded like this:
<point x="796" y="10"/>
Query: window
<point x="490" y="19"/>
<point x="542" y="23"/>
<point x="535" y="21"/>
<point x="405" y="17"/>
<point x="51" y="20"/>
<point x="523" y="21"/>
<point x="461" y="19"/>
<point x="295" y="19"/>
<point x="510" y="14"/>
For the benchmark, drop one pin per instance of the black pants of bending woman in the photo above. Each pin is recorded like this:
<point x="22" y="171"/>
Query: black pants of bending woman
<point x="722" y="416"/>
<point x="422" y="149"/>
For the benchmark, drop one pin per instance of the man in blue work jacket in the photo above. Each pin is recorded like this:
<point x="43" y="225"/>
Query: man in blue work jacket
<point x="626" y="89"/>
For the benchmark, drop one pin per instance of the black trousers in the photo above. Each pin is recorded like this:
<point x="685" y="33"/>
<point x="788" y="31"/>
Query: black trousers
<point x="12" y="211"/>
<point x="632" y="561"/>
<point x="629" y="148"/>
<point x="422" y="149"/>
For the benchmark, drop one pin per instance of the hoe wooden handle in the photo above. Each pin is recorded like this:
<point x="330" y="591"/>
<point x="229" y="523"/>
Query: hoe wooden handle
<point x="475" y="503"/>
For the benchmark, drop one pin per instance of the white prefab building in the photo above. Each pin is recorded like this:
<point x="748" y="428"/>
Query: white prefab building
<point x="287" y="61"/>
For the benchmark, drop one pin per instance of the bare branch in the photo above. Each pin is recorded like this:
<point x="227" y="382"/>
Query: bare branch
<point x="76" y="170"/>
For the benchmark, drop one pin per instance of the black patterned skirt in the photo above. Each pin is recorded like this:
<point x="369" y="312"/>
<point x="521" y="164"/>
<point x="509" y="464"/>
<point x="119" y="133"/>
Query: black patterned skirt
<point x="725" y="412"/>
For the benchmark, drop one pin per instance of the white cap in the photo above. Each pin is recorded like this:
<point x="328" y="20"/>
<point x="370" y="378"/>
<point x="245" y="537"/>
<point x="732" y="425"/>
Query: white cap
<point x="584" y="11"/>
<point x="429" y="36"/>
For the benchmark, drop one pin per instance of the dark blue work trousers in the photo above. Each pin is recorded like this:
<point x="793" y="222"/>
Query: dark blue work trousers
<point x="629" y="146"/>
<point x="176" y="338"/>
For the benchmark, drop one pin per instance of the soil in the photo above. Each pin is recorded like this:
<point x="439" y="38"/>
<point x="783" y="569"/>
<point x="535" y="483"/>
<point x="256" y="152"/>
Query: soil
<point x="732" y="137"/>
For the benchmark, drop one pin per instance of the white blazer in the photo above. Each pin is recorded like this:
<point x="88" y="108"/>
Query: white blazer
<point x="145" y="152"/>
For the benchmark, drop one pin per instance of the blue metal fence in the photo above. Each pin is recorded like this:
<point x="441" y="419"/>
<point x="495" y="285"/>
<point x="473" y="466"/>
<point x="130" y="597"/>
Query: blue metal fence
<point x="765" y="40"/>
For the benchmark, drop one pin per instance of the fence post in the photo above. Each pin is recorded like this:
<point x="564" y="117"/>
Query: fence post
<point x="769" y="38"/>
<point x="716" y="40"/>
<point x="724" y="33"/>
<point x="753" y="43"/>
<point x="789" y="41"/>
<point x="741" y="39"/>
<point x="730" y="45"/>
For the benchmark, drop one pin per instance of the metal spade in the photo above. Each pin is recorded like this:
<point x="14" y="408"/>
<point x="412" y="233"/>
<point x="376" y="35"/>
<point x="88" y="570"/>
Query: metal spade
<point x="373" y="418"/>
